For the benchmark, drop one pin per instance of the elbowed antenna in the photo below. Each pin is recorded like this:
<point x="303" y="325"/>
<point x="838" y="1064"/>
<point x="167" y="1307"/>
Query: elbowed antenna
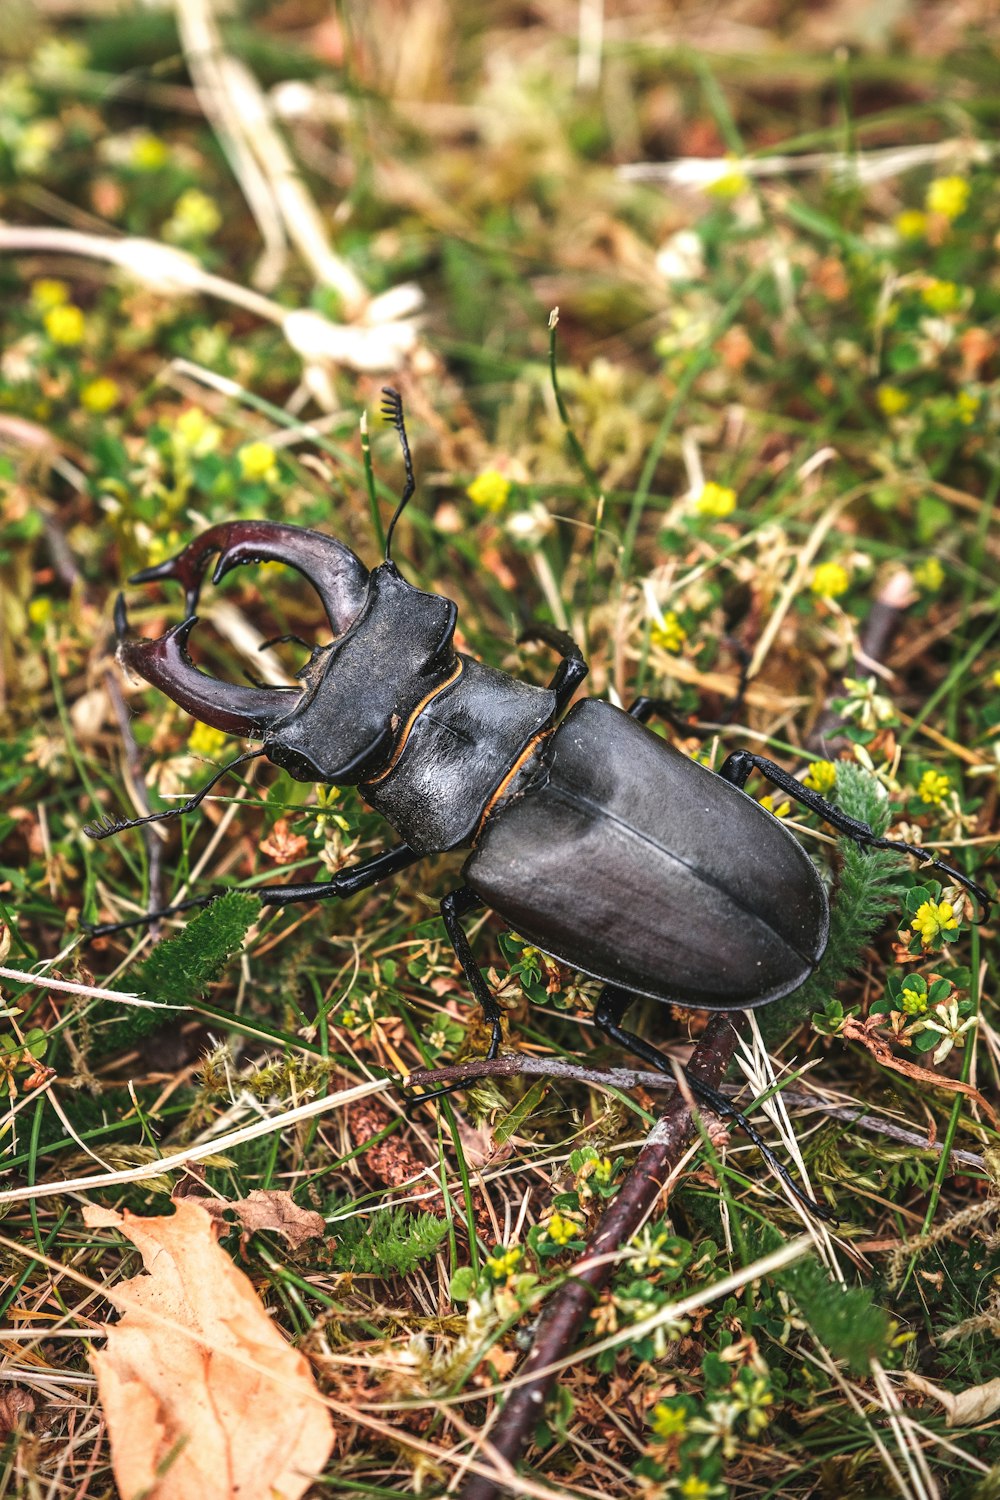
<point x="392" y="411"/>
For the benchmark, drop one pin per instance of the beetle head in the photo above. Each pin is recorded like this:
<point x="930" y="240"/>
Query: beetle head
<point x="392" y="646"/>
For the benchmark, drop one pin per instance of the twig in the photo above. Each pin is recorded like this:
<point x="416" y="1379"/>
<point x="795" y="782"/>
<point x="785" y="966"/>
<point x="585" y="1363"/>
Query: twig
<point x="568" y="1309"/>
<point x="520" y="1064"/>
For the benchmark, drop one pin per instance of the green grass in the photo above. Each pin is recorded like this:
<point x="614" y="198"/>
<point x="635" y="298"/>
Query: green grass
<point x="722" y="454"/>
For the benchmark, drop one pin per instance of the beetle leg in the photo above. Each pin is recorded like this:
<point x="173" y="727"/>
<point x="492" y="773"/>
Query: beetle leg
<point x="453" y="908"/>
<point x="106" y="825"/>
<point x="345" y="882"/>
<point x="612" y="1003"/>
<point x="571" y="670"/>
<point x="737" y="769"/>
<point x="644" y="708"/>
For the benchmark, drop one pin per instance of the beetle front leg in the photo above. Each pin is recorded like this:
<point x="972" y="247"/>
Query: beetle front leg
<point x="612" y="1003"/>
<point x="454" y="906"/>
<point x="571" y="670"/>
<point x="346" y="882"/>
<point x="738" y="766"/>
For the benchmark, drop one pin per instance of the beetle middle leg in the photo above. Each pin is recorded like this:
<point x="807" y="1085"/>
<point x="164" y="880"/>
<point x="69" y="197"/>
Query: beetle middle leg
<point x="738" y="766"/>
<point x="455" y="906"/>
<point x="612" y="1003"/>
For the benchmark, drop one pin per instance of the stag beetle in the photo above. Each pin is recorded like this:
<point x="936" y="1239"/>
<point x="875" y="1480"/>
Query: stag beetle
<point x="597" y="840"/>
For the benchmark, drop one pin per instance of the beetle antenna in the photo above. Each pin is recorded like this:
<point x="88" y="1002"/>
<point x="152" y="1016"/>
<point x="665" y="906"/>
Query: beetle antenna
<point x="392" y="411"/>
<point x="106" y="825"/>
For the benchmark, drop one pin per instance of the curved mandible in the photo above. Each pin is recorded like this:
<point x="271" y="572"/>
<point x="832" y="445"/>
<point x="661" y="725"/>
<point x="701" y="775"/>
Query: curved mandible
<point x="335" y="572"/>
<point x="165" y="664"/>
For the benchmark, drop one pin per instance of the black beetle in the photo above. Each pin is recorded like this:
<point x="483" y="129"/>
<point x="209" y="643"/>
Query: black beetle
<point x="598" y="841"/>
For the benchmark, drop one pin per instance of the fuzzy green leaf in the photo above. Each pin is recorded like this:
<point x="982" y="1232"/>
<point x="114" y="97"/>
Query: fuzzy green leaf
<point x="389" y="1243"/>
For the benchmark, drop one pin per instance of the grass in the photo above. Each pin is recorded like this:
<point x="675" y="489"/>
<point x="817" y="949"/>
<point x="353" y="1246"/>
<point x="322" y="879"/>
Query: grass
<point x="763" y="427"/>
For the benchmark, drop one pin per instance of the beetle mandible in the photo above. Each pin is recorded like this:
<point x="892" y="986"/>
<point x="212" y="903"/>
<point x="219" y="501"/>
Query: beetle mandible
<point x="601" y="843"/>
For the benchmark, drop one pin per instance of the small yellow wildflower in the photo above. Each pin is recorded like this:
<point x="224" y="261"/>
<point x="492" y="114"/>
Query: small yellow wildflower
<point x="560" y="1229"/>
<point x="47" y="292"/>
<point x="821" y="777"/>
<point x="65" y="325"/>
<point x="948" y="197"/>
<point x="929" y="575"/>
<point x="40" y="610"/>
<point x="729" y="186"/>
<point x="891" y="400"/>
<point x="696" y="1488"/>
<point x="911" y="224"/>
<point x="503" y="1263"/>
<point x="933" y="920"/>
<point x="204" y="740"/>
<point x="934" y="788"/>
<point x="776" y="804"/>
<point x="100" y="395"/>
<point x="195" y="433"/>
<point x="148" y="152"/>
<point x="257" y="462"/>
<point x="490" y="490"/>
<point x="967" y="406"/>
<point x="671" y="635"/>
<point x="913" y="999"/>
<point x="715" y="500"/>
<point x="195" y="217"/>
<point x="829" y="580"/>
<point x="942" y="296"/>
<point x="995" y="677"/>
<point x="668" y="1421"/>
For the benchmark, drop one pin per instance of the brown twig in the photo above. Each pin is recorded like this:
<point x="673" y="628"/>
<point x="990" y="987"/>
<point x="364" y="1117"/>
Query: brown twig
<point x="521" y="1064"/>
<point x="568" y="1309"/>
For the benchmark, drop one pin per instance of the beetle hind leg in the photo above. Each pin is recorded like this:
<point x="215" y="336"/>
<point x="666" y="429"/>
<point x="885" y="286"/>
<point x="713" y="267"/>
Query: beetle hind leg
<point x="612" y="1003"/>
<point x="737" y="769"/>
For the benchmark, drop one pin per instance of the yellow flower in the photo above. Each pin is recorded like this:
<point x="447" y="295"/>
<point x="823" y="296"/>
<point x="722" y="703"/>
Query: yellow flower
<point x="715" y="500"/>
<point x="40" y="610"/>
<point x="195" y="433"/>
<point x="671" y="635"/>
<point x="911" y="224"/>
<point x="942" y="296"/>
<point x="47" y="292"/>
<point x="100" y="395"/>
<point x="948" y="197"/>
<point x="821" y="777"/>
<point x="776" y="804"/>
<point x="830" y="580"/>
<point x="967" y="407"/>
<point x="490" y="490"/>
<point x="503" y="1263"/>
<point x="148" y="153"/>
<point x="934" y="788"/>
<point x="995" y="677"/>
<point x="929" y="575"/>
<point x="65" y="325"/>
<point x="892" y="401"/>
<point x="729" y="186"/>
<point x="933" y="920"/>
<point x="560" y="1229"/>
<point x="257" y="462"/>
<point x="203" y="740"/>
<point x="668" y="1421"/>
<point x="195" y="217"/>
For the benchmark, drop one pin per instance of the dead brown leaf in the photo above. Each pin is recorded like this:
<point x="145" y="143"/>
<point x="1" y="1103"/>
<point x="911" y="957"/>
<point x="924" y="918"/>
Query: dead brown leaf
<point x="975" y="1404"/>
<point x="854" y="1030"/>
<point x="203" y="1397"/>
<point x="271" y="1209"/>
<point x="16" y="1405"/>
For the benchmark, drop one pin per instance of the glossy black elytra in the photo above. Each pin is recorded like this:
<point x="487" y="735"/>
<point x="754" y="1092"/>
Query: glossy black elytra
<point x="602" y="844"/>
